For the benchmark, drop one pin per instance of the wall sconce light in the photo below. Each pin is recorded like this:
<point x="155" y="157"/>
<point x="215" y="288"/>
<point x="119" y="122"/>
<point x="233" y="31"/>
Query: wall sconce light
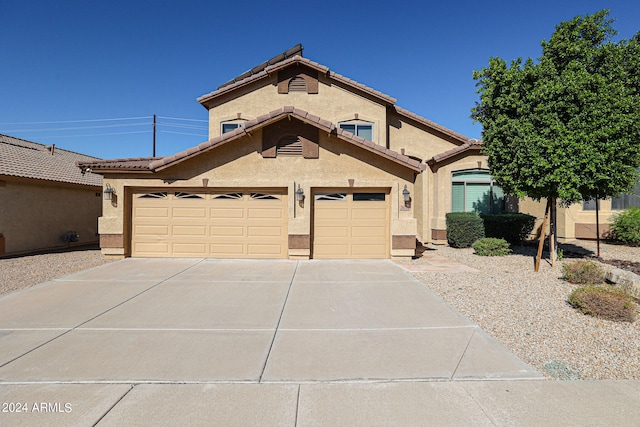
<point x="299" y="194"/>
<point x="406" y="195"/>
<point x="109" y="192"/>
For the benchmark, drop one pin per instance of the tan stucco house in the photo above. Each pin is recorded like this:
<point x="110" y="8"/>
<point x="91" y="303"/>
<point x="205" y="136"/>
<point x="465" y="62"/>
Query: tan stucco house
<point x="301" y="162"/>
<point x="45" y="200"/>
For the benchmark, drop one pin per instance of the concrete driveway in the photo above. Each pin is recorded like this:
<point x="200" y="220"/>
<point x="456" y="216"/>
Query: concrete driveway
<point x="115" y="342"/>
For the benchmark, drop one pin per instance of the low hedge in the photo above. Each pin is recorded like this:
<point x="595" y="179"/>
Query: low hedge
<point x="463" y="229"/>
<point x="490" y="246"/>
<point x="625" y="227"/>
<point x="512" y="227"/>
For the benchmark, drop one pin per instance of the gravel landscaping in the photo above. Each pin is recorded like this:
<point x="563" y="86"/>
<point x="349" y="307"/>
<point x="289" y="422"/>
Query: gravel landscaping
<point x="29" y="270"/>
<point x="528" y="313"/>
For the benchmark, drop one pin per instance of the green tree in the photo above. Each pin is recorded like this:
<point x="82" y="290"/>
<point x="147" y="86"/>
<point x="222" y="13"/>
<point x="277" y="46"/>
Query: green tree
<point x="567" y="126"/>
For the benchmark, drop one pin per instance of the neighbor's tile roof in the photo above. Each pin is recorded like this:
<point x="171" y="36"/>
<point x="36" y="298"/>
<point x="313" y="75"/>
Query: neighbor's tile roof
<point x="234" y="84"/>
<point x="472" y="144"/>
<point x="276" y="115"/>
<point x="26" y="159"/>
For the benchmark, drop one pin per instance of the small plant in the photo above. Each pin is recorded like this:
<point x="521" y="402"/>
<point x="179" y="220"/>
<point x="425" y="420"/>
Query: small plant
<point x="625" y="227"/>
<point x="583" y="272"/>
<point x="463" y="229"/>
<point x="490" y="246"/>
<point x="604" y="302"/>
<point x="560" y="254"/>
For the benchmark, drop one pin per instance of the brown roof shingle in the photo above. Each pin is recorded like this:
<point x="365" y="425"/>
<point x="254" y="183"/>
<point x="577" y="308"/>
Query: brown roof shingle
<point x="140" y="164"/>
<point x="472" y="144"/>
<point x="26" y="159"/>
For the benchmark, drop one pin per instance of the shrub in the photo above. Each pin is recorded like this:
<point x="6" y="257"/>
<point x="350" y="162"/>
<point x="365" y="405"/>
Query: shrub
<point x="463" y="229"/>
<point x="512" y="227"/>
<point x="604" y="302"/>
<point x="625" y="227"/>
<point x="490" y="246"/>
<point x="583" y="272"/>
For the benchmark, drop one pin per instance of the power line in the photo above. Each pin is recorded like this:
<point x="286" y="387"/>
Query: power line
<point x="76" y="128"/>
<point x="96" y="134"/>
<point x="78" y="121"/>
<point x="183" y="126"/>
<point x="182" y="133"/>
<point x="176" y="118"/>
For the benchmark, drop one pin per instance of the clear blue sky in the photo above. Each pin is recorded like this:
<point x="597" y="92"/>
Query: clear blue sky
<point x="90" y="59"/>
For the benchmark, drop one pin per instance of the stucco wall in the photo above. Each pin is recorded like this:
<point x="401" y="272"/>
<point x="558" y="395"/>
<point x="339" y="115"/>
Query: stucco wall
<point x="35" y="215"/>
<point x="239" y="164"/>
<point x="417" y="140"/>
<point x="332" y="102"/>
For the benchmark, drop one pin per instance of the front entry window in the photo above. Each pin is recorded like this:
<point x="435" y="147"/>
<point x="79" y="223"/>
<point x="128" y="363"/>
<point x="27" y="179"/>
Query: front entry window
<point x="475" y="191"/>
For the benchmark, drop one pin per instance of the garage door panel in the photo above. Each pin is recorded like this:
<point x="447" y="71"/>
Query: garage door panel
<point x="225" y="249"/>
<point x="158" y="248"/>
<point x="226" y="213"/>
<point x="264" y="231"/>
<point x="178" y="213"/>
<point x="151" y="212"/>
<point x="270" y="213"/>
<point x="189" y="249"/>
<point x="367" y="250"/>
<point x="151" y="230"/>
<point x="189" y="230"/>
<point x="369" y="232"/>
<point x="261" y="250"/>
<point x="228" y="231"/>
<point x="327" y="213"/>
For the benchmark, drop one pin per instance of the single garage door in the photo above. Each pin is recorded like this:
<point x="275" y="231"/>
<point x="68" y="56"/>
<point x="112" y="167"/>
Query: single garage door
<point x="230" y="224"/>
<point x="351" y="224"/>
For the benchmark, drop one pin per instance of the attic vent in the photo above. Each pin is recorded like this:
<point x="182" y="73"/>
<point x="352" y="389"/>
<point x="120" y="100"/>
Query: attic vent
<point x="289" y="146"/>
<point x="297" y="84"/>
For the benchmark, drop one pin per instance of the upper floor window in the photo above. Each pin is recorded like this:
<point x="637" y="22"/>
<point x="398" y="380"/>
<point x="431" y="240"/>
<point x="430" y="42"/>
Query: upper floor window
<point x="362" y="129"/>
<point x="475" y="191"/>
<point x="230" y="126"/>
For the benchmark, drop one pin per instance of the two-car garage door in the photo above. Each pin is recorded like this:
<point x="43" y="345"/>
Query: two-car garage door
<point x="234" y="224"/>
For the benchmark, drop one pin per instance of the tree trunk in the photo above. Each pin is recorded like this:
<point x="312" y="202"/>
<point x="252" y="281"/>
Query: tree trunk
<point x="598" y="225"/>
<point x="552" y="233"/>
<point x="542" y="232"/>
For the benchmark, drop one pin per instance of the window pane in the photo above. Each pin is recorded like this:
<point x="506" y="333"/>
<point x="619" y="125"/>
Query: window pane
<point x="228" y="127"/>
<point x="457" y="196"/>
<point x="478" y="198"/>
<point x="349" y="128"/>
<point x="590" y="205"/>
<point x="625" y="201"/>
<point x="366" y="131"/>
<point x="368" y="197"/>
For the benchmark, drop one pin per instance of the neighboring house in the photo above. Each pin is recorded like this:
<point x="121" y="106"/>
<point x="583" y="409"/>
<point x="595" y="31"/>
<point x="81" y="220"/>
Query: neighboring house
<point x="45" y="200"/>
<point x="301" y="163"/>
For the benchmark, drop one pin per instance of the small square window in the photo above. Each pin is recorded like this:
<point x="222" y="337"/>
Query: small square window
<point x="230" y="126"/>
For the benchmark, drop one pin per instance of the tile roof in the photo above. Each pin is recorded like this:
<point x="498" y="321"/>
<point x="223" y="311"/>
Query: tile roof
<point x="472" y="144"/>
<point x="140" y="164"/>
<point x="433" y="125"/>
<point x="273" y="116"/>
<point x="296" y="50"/>
<point x="26" y="159"/>
<point x="297" y="59"/>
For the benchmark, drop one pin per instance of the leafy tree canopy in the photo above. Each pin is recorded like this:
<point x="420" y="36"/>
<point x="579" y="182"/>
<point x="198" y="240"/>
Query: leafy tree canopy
<point x="566" y="126"/>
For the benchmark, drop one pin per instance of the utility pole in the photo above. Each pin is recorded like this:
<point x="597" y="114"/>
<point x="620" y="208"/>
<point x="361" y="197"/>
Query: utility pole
<point x="154" y="135"/>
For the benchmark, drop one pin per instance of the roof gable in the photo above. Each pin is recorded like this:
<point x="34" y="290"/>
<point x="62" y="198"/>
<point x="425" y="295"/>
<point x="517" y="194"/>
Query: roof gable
<point x="234" y="84"/>
<point x="26" y="159"/>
